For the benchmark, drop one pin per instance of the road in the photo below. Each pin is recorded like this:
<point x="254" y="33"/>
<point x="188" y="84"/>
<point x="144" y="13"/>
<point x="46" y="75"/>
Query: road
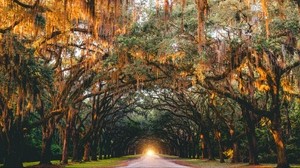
<point x="152" y="161"/>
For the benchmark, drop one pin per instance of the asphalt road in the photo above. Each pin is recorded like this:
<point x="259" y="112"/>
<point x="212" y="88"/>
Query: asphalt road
<point x="152" y="161"/>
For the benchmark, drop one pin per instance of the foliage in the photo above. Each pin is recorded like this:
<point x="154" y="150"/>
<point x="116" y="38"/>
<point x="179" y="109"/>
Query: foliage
<point x="197" y="78"/>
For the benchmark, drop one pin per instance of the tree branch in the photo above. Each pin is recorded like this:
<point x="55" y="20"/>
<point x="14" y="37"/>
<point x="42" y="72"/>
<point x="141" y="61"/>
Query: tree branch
<point x="26" y="5"/>
<point x="2" y="31"/>
<point x="288" y="68"/>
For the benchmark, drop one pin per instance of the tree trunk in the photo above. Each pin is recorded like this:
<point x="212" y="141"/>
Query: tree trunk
<point x="221" y="151"/>
<point x="181" y="152"/>
<point x="209" y="147"/>
<point x="198" y="150"/>
<point x="86" y="155"/>
<point x="13" y="155"/>
<point x="64" y="159"/>
<point x="193" y="150"/>
<point x="252" y="143"/>
<point x="75" y="139"/>
<point x="100" y="150"/>
<point x="235" y="145"/>
<point x="13" y="158"/>
<point x="236" y="155"/>
<point x="94" y="148"/>
<point x="14" y="146"/>
<point x="201" y="12"/>
<point x="47" y="134"/>
<point x="276" y="131"/>
<point x="251" y="136"/>
<point x="203" y="149"/>
<point x="46" y="150"/>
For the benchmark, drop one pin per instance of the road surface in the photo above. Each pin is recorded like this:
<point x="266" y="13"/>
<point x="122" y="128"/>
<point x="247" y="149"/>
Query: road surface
<point x="152" y="161"/>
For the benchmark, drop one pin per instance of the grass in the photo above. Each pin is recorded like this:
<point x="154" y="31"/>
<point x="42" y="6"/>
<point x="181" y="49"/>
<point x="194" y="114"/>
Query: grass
<point x="112" y="162"/>
<point x="203" y="163"/>
<point x="196" y="163"/>
<point x="103" y="163"/>
<point x="29" y="164"/>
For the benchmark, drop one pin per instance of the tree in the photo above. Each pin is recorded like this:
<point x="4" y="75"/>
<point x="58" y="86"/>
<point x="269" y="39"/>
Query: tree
<point x="25" y="83"/>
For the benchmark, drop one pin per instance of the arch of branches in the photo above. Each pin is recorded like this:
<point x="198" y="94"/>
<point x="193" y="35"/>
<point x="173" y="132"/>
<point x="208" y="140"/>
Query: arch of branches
<point x="94" y="78"/>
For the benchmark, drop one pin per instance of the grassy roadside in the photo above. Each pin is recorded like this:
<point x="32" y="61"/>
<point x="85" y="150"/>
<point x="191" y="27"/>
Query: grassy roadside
<point x="107" y="163"/>
<point x="112" y="162"/>
<point x="203" y="163"/>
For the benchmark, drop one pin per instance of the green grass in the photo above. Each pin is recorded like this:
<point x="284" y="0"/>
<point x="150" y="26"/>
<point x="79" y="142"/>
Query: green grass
<point x="112" y="162"/>
<point x="28" y="164"/>
<point x="102" y="163"/>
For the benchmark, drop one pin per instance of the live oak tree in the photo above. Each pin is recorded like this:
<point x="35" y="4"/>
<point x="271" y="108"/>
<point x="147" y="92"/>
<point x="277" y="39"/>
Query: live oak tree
<point x="25" y="83"/>
<point x="41" y="24"/>
<point x="258" y="72"/>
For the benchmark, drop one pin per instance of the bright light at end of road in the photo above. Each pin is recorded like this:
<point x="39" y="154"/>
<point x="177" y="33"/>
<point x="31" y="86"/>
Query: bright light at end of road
<point x="150" y="152"/>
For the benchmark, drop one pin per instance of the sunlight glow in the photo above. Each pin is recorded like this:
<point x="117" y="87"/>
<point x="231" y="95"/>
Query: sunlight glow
<point x="150" y="152"/>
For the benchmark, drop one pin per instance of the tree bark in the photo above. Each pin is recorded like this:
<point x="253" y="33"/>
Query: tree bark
<point x="276" y="131"/>
<point x="236" y="155"/>
<point x="209" y="147"/>
<point x="198" y="150"/>
<point x="13" y="139"/>
<point x="46" y="150"/>
<point x="64" y="159"/>
<point x="100" y="149"/>
<point x="13" y="157"/>
<point x="221" y="155"/>
<point x="86" y="155"/>
<point x="75" y="139"/>
<point x="47" y="134"/>
<point x="203" y="149"/>
<point x="235" y="146"/>
<point x="251" y="136"/>
<point x="281" y="154"/>
<point x="252" y="143"/>
<point x="94" y="149"/>
<point x="201" y="12"/>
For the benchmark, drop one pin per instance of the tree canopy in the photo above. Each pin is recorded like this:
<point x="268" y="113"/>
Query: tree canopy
<point x="194" y="78"/>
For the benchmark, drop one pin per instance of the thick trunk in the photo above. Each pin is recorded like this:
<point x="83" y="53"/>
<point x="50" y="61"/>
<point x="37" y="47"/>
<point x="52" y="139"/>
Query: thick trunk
<point x="221" y="151"/>
<point x="252" y="143"/>
<point x="276" y="124"/>
<point x="94" y="148"/>
<point x="75" y="155"/>
<point x="281" y="154"/>
<point x="209" y="148"/>
<point x="46" y="151"/>
<point x="181" y="152"/>
<point x="47" y="134"/>
<point x="193" y="150"/>
<point x="198" y="151"/>
<point x="251" y="136"/>
<point x="64" y="159"/>
<point x="186" y="151"/>
<point x="236" y="155"/>
<point x="86" y="155"/>
<point x="14" y="146"/>
<point x="13" y="157"/>
<point x="203" y="150"/>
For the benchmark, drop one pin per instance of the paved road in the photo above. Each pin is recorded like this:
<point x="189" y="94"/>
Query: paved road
<point x="152" y="161"/>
